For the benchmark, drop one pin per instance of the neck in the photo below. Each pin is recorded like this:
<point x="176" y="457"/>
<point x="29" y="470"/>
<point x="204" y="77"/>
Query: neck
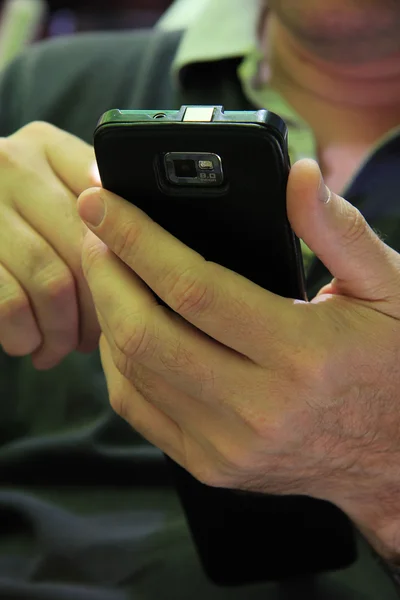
<point x="367" y="85"/>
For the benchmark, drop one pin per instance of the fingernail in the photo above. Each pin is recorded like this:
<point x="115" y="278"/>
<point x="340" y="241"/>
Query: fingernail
<point x="92" y="210"/>
<point x="324" y="193"/>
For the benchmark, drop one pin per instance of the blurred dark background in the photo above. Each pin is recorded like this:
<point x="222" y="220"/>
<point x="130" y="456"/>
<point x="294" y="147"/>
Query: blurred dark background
<point x="25" y="21"/>
<point x="70" y="16"/>
<point x="106" y="14"/>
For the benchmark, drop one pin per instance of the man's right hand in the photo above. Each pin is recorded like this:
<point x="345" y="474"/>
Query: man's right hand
<point x="46" y="307"/>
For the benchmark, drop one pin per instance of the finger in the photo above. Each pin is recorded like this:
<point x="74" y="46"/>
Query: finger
<point x="169" y="399"/>
<point x="363" y="266"/>
<point x="45" y="201"/>
<point x="89" y="329"/>
<point x="70" y="158"/>
<point x="212" y="438"/>
<point x="226" y="306"/>
<point x="68" y="247"/>
<point x="19" y="333"/>
<point x="147" y="333"/>
<point x="144" y="417"/>
<point x="48" y="283"/>
<point x="181" y="408"/>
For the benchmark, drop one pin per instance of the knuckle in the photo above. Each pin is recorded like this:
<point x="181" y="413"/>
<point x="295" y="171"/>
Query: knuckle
<point x="176" y="356"/>
<point x="188" y="294"/>
<point x="132" y="338"/>
<point x="241" y="456"/>
<point x="118" y="403"/>
<point x="13" y="303"/>
<point x="257" y="412"/>
<point x="310" y="368"/>
<point x="91" y="256"/>
<point x="266" y="424"/>
<point x="262" y="428"/>
<point x="144" y="381"/>
<point x="122" y="364"/>
<point x="37" y="258"/>
<point x="232" y="463"/>
<point x="11" y="147"/>
<point x="37" y="128"/>
<point x="59" y="341"/>
<point x="233" y="459"/>
<point x="127" y="239"/>
<point x="8" y="158"/>
<point x="272" y="430"/>
<point x="208" y="474"/>
<point x="58" y="286"/>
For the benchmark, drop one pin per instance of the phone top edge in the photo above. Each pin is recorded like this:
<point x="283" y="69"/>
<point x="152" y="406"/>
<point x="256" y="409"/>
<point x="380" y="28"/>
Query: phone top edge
<point x="210" y="114"/>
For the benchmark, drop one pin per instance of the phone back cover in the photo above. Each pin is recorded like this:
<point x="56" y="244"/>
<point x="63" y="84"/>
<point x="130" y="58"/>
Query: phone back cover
<point x="241" y="538"/>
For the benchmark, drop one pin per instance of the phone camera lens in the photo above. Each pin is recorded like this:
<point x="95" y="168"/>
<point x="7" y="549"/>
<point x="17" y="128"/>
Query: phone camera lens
<point x="185" y="168"/>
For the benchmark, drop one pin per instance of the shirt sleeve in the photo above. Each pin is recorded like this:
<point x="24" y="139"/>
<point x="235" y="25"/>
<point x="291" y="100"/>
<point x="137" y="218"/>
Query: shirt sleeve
<point x="11" y="94"/>
<point x="392" y="570"/>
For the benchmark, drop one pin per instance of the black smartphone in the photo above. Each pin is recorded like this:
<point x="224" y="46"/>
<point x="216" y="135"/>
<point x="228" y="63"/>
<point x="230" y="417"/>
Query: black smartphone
<point x="217" y="181"/>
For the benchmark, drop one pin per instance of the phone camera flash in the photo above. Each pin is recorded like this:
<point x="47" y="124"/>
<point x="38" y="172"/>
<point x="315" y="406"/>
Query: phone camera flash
<point x="206" y="165"/>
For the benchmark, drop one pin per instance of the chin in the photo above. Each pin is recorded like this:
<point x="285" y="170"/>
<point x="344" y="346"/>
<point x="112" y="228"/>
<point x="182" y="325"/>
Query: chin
<point x="319" y="19"/>
<point x="352" y="31"/>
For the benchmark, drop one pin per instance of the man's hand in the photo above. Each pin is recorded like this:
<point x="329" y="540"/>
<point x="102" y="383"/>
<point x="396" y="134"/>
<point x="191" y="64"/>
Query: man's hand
<point x="246" y="389"/>
<point x="46" y="308"/>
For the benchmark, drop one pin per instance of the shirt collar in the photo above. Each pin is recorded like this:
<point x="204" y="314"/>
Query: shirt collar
<point x="230" y="28"/>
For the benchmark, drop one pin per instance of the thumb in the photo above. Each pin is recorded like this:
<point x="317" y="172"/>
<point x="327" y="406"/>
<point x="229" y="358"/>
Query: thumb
<point x="362" y="265"/>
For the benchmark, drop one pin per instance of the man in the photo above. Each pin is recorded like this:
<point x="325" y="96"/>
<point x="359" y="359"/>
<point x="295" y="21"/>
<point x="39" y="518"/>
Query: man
<point x="76" y="479"/>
